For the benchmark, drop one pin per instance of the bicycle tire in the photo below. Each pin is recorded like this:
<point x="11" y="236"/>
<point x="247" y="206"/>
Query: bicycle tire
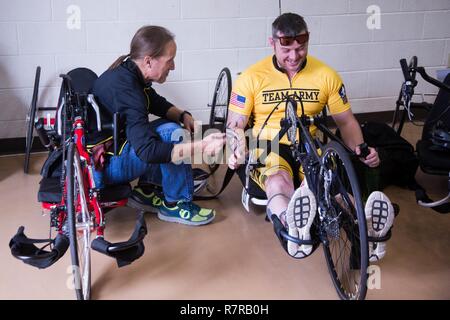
<point x="291" y="115"/>
<point x="78" y="226"/>
<point x="399" y="115"/>
<point x="219" y="107"/>
<point x="346" y="249"/>
<point x="30" y="118"/>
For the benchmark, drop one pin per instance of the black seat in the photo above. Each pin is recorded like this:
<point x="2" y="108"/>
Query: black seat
<point x="82" y="79"/>
<point x="81" y="82"/>
<point x="433" y="161"/>
<point x="432" y="158"/>
<point x="254" y="189"/>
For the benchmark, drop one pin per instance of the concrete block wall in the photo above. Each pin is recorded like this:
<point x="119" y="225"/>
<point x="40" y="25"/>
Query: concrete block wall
<point x="212" y="34"/>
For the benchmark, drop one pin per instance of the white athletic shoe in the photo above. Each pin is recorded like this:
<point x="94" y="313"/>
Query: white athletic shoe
<point x="380" y="218"/>
<point x="299" y="217"/>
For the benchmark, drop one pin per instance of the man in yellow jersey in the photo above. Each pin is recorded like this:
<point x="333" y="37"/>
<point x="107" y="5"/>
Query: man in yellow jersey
<point x="257" y="91"/>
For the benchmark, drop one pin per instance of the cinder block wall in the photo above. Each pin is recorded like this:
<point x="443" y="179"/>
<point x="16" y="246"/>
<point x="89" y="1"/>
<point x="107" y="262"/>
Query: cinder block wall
<point x="212" y="34"/>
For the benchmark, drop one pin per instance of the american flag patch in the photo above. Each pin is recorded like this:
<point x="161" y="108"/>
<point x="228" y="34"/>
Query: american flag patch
<point x="237" y="100"/>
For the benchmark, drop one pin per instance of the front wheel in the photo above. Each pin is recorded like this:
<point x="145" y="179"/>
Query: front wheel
<point x="78" y="223"/>
<point x="219" y="107"/>
<point x="343" y="225"/>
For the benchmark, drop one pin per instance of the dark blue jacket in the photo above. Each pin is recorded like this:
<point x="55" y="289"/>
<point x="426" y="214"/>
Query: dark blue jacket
<point x="124" y="90"/>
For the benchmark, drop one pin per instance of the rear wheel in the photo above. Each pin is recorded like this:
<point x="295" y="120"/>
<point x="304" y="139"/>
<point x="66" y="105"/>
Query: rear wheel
<point x="30" y="119"/>
<point x="79" y="225"/>
<point x="343" y="225"/>
<point x="219" y="107"/>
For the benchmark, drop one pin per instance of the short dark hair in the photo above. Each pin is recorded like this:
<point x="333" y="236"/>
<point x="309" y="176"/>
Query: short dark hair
<point x="289" y="24"/>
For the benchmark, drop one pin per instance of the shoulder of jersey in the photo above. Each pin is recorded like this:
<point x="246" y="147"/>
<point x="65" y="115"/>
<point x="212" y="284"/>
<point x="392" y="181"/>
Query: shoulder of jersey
<point x="319" y="64"/>
<point x="262" y="66"/>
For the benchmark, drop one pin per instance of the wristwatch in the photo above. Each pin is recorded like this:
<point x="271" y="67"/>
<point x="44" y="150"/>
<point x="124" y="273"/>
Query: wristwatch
<point x="181" y="119"/>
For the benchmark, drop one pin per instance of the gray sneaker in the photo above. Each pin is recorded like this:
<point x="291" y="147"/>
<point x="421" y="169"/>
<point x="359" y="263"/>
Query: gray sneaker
<point x="380" y="218"/>
<point x="300" y="215"/>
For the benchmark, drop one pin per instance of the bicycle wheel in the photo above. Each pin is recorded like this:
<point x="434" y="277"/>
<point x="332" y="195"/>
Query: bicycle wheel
<point x="31" y="115"/>
<point x="344" y="225"/>
<point x="219" y="107"/>
<point x="78" y="225"/>
<point x="290" y="114"/>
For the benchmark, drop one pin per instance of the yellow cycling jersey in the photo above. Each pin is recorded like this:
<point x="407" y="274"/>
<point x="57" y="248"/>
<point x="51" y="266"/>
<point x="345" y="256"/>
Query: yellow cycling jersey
<point x="262" y="87"/>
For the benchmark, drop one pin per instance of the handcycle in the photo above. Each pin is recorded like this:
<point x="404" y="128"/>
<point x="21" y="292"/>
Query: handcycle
<point x="340" y="223"/>
<point x="76" y="207"/>
<point x="433" y="147"/>
<point x="404" y="105"/>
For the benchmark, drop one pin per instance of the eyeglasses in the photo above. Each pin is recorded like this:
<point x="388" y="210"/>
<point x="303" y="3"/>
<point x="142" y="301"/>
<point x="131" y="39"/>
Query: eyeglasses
<point x="300" y="38"/>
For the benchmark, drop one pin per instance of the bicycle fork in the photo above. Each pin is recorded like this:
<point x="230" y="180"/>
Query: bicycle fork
<point x="328" y="216"/>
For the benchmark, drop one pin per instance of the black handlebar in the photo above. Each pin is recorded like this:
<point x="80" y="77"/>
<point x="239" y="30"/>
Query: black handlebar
<point x="421" y="70"/>
<point x="364" y="148"/>
<point x="437" y="83"/>
<point x="405" y="69"/>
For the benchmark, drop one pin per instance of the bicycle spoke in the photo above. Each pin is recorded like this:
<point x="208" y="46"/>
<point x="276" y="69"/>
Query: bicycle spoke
<point x="345" y="248"/>
<point x="219" y="108"/>
<point x="79" y="224"/>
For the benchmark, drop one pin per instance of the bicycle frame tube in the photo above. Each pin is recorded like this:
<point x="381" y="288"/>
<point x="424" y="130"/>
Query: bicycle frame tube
<point x="93" y="203"/>
<point x="311" y="160"/>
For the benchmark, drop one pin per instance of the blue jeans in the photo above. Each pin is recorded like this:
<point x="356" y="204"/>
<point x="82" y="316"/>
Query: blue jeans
<point x="176" y="179"/>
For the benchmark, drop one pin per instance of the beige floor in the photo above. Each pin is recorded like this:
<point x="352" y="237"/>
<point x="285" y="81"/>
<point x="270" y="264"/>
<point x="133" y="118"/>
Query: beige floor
<point x="236" y="257"/>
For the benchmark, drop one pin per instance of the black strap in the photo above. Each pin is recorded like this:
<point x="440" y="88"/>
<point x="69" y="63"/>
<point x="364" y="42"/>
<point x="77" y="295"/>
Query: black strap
<point x="23" y="248"/>
<point x="381" y="239"/>
<point x="226" y="180"/>
<point x="230" y="172"/>
<point x="278" y="228"/>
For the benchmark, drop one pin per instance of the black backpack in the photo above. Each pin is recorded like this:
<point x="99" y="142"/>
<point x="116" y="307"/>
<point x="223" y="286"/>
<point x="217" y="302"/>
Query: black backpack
<point x="398" y="161"/>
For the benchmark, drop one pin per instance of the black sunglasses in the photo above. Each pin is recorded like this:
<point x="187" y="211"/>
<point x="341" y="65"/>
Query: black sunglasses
<point x="300" y="38"/>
